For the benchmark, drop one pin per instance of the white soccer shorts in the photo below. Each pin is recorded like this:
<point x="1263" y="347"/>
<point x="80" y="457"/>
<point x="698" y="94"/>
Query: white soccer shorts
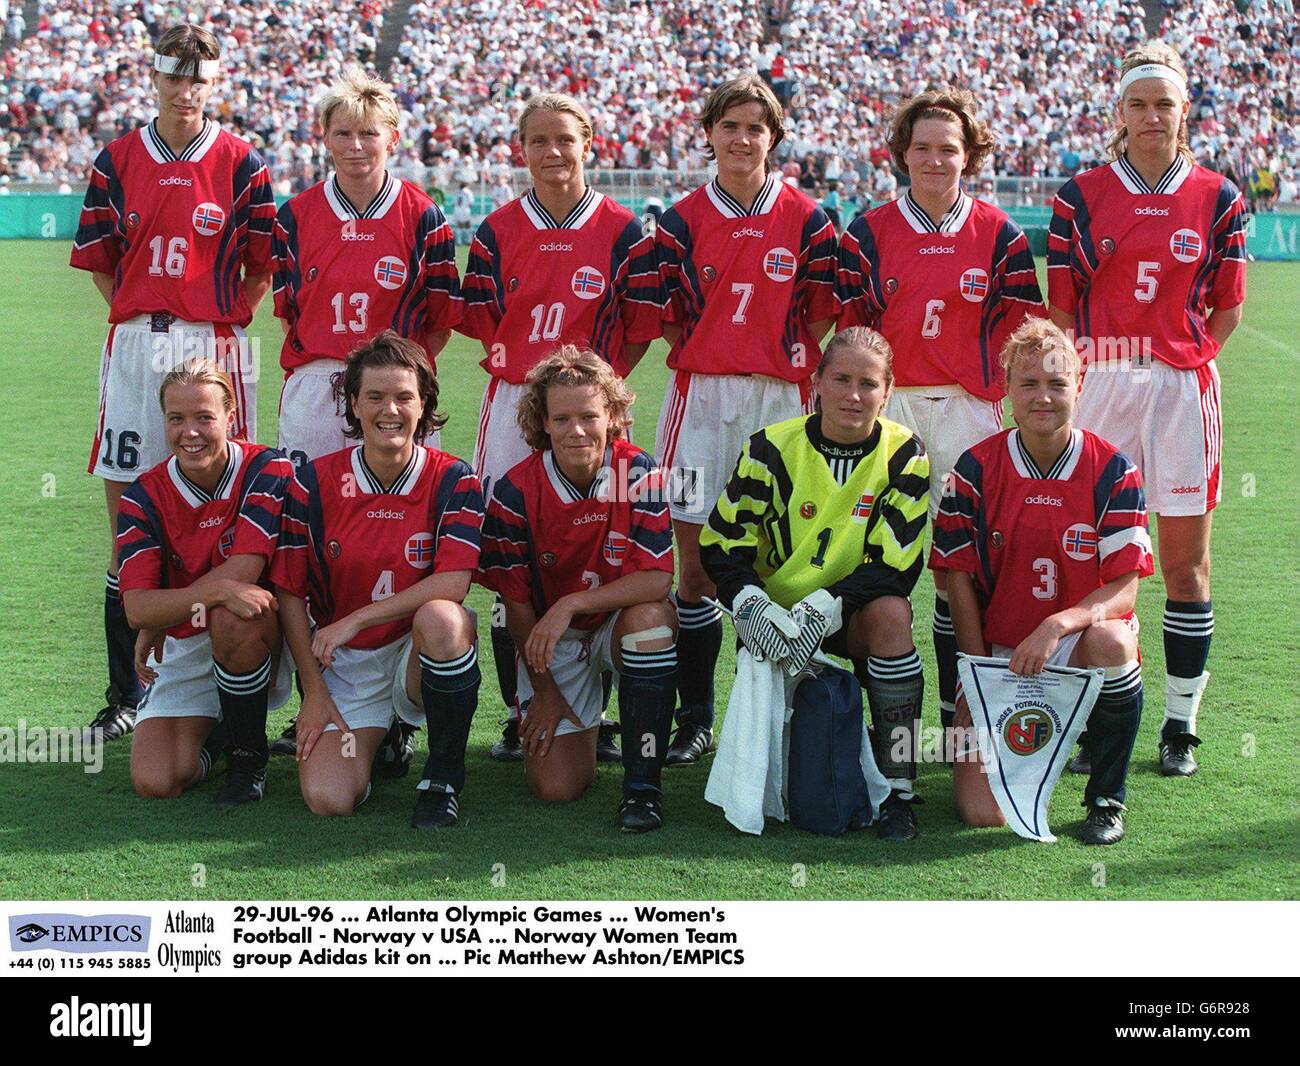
<point x="130" y="436"/>
<point x="705" y="422"/>
<point x="368" y="686"/>
<point x="187" y="688"/>
<point x="581" y="657"/>
<point x="1065" y="647"/>
<point x="1169" y="422"/>
<point x="499" y="444"/>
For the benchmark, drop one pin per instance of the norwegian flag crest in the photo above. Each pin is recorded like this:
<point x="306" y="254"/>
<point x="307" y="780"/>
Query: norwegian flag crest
<point x="615" y="548"/>
<point x="390" y="272"/>
<point x="779" y="264"/>
<point x="974" y="285"/>
<point x="208" y="218"/>
<point x="1080" y="541"/>
<point x="862" y="509"/>
<point x="587" y="283"/>
<point x="419" y="550"/>
<point x="1185" y="245"/>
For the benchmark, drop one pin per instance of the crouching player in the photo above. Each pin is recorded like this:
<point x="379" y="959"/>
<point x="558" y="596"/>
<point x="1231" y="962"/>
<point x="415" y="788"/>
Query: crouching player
<point x="382" y="540"/>
<point x="195" y="536"/>
<point x="1043" y="535"/>
<point x="578" y="544"/>
<point x="824" y="517"/>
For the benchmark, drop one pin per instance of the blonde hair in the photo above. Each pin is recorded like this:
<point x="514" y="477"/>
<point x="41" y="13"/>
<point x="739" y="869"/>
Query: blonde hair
<point x="747" y="89"/>
<point x="189" y="45"/>
<point x="1039" y="339"/>
<point x="569" y="366"/>
<point x="860" y="337"/>
<point x="949" y="105"/>
<point x="1166" y="55"/>
<point x="199" y="371"/>
<point x="360" y="98"/>
<point x="559" y="102"/>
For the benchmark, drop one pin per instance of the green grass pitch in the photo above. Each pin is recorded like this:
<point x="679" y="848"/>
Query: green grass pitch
<point x="1228" y="833"/>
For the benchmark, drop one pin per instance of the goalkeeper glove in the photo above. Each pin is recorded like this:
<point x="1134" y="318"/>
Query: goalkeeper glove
<point x="764" y="627"/>
<point x="818" y="616"/>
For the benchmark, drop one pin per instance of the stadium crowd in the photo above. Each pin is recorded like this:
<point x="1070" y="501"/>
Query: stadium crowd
<point x="1042" y="68"/>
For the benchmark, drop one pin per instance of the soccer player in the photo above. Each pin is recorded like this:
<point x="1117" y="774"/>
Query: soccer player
<point x="176" y="232"/>
<point x="196" y="534"/>
<point x="355" y="254"/>
<point x="1043" y="535"/>
<point x="578" y="544"/>
<point x="747" y="265"/>
<point x="824" y="518"/>
<point x="562" y="264"/>
<point x="381" y="540"/>
<point x="946" y="278"/>
<point x="1146" y="258"/>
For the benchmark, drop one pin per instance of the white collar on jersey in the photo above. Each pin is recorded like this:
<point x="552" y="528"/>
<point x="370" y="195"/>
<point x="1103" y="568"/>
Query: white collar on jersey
<point x="952" y="221"/>
<point x="566" y="490"/>
<point x="575" y="219"/>
<point x="1169" y="182"/>
<point x="729" y="207"/>
<point x="192" y="153"/>
<point x="404" y="482"/>
<point x="1062" y="469"/>
<point x="197" y="497"/>
<point x="344" y="209"/>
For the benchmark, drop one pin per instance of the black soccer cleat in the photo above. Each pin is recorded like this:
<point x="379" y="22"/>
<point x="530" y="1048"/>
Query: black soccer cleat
<point x="287" y="742"/>
<point x="1081" y="763"/>
<point x="508" y="748"/>
<point x="435" y="808"/>
<point x="1176" y="755"/>
<point x="640" y="812"/>
<point x="690" y="743"/>
<point x="897" y="819"/>
<point x="245" y="780"/>
<point x="116" y="719"/>
<point x="1104" y="825"/>
<point x="393" y="759"/>
<point x="607" y="749"/>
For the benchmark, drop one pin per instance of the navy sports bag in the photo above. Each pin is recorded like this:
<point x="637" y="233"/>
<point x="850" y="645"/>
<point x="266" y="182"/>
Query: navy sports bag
<point x="826" y="791"/>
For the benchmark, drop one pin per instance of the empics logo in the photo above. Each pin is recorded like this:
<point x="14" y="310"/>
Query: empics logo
<point x="117" y="1020"/>
<point x="79" y="933"/>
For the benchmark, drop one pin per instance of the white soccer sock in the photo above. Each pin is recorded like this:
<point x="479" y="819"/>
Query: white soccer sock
<point x="1183" y="698"/>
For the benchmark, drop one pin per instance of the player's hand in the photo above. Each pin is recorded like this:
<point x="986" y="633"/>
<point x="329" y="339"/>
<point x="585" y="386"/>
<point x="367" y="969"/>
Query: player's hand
<point x="329" y="639"/>
<point x="316" y="713"/>
<point x="817" y="616"/>
<point x="764" y="627"/>
<point x="1032" y="653"/>
<point x="146" y="641"/>
<point x="247" y="602"/>
<point x="539" y="650"/>
<point x="545" y="711"/>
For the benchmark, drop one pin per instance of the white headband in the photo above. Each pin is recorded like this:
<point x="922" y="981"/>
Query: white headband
<point x="208" y="68"/>
<point x="1153" y="70"/>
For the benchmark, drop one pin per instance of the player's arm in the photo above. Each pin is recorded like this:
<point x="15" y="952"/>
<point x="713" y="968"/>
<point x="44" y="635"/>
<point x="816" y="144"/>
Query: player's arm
<point x="821" y="328"/>
<point x="633" y="353"/>
<point x="1222" y="322"/>
<point x="967" y="618"/>
<point x="1227" y="292"/>
<point x="548" y="707"/>
<point x="256" y="286"/>
<point x="436" y="340"/>
<point x="1062" y="285"/>
<point x="104" y="283"/>
<point x="318" y="708"/>
<point x="730" y="540"/>
<point x="1115" y="599"/>
<point x="164" y="608"/>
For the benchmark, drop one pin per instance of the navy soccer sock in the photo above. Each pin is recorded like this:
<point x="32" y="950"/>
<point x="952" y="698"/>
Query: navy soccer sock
<point x="449" y="693"/>
<point x="699" y="640"/>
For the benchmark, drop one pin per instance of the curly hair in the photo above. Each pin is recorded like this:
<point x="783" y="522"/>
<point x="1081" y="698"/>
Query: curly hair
<point x="570" y="365"/>
<point x="389" y="349"/>
<point x="950" y="105"/>
<point x="1035" y="338"/>
<point x="1165" y="55"/>
<point x="748" y="89"/>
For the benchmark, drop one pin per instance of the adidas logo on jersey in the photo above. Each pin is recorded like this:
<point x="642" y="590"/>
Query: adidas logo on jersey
<point x="1155" y="212"/>
<point x="347" y="235"/>
<point x="557" y="247"/>
<point x="210" y="523"/>
<point x="1185" y="490"/>
<point x="587" y="519"/>
<point x="938" y="249"/>
<point x="386" y="514"/>
<point x="745" y="231"/>
<point x="174" y="181"/>
<point x="1045" y="501"/>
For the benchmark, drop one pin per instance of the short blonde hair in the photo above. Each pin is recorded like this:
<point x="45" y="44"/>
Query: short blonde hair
<point x="951" y="105"/>
<point x="568" y="366"/>
<point x="1038" y="338"/>
<point x="565" y="105"/>
<point x="360" y="98"/>
<point x="1165" y="55"/>
<point x="199" y="371"/>
<point x="748" y="89"/>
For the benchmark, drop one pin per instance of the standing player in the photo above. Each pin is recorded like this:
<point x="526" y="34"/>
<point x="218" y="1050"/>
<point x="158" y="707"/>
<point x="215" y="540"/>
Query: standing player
<point x="383" y="539"/>
<point x="195" y="536"/>
<point x="946" y="278"/>
<point x="1044" y="538"/>
<point x="357" y="253"/>
<point x="578" y="545"/>
<point x="173" y="213"/>
<point x="560" y="265"/>
<point x="747" y="265"/>
<point x="824" y="517"/>
<point x="1149" y="253"/>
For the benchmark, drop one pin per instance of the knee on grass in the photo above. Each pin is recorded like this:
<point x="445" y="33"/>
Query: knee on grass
<point x="330" y="799"/>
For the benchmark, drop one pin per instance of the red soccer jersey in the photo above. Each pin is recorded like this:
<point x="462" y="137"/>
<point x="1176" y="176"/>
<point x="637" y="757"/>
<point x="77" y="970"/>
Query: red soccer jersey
<point x="945" y="296"/>
<point x="545" y="539"/>
<point x="343" y="274"/>
<point x="347" y="541"/>
<point x="170" y="532"/>
<point x="744" y="285"/>
<point x="1039" y="543"/>
<point x="533" y="283"/>
<point x="174" y="230"/>
<point x="1134" y="264"/>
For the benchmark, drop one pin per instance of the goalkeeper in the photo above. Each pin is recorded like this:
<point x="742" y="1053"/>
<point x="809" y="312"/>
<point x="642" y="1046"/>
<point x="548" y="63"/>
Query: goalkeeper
<point x="816" y="543"/>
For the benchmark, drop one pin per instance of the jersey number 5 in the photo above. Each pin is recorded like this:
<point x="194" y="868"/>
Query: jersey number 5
<point x="1145" y="292"/>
